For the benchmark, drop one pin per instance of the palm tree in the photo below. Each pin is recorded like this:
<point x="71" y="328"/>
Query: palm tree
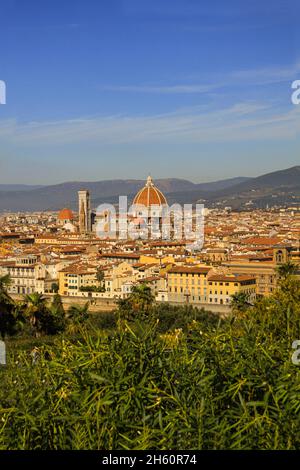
<point x="35" y="310"/>
<point x="57" y="316"/>
<point x="141" y="298"/>
<point x="138" y="304"/>
<point x="78" y="314"/>
<point x="287" y="269"/>
<point x="7" y="305"/>
<point x="43" y="319"/>
<point x="240" y="302"/>
<point x="5" y="281"/>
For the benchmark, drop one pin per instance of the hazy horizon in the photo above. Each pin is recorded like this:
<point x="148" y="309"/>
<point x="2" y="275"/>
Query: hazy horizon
<point x="143" y="178"/>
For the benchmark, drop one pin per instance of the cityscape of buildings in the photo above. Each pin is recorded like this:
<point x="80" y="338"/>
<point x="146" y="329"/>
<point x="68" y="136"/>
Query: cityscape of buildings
<point x="49" y="252"/>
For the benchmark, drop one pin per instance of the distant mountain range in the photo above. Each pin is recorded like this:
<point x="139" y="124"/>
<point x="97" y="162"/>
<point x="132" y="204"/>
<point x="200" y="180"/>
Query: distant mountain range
<point x="272" y="189"/>
<point x="277" y="188"/>
<point x="18" y="187"/>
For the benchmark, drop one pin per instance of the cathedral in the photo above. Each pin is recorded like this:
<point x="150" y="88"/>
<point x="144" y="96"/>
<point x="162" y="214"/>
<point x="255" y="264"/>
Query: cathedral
<point x="148" y="204"/>
<point x="148" y="207"/>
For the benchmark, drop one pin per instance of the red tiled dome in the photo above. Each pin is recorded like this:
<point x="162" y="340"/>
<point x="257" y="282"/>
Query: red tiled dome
<point x="65" y="214"/>
<point x="149" y="195"/>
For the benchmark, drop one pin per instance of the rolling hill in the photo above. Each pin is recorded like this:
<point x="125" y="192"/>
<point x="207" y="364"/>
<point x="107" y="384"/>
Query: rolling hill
<point x="61" y="195"/>
<point x="276" y="188"/>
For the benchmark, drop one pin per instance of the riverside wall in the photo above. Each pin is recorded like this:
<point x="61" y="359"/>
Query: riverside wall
<point x="108" y="305"/>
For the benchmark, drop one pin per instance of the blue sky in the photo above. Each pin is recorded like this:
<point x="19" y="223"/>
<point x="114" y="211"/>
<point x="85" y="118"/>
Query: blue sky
<point x="198" y="89"/>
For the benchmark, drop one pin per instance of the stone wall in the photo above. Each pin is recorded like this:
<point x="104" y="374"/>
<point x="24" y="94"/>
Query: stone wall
<point x="108" y="305"/>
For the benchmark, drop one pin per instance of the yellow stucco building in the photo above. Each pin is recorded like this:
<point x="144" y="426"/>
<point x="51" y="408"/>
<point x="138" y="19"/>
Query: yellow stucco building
<point x="72" y="278"/>
<point x="199" y="285"/>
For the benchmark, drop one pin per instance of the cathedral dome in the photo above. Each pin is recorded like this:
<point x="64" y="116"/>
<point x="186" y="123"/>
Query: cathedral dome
<point x="150" y="195"/>
<point x="65" y="214"/>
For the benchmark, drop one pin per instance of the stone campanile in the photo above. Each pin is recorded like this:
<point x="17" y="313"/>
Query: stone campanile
<point x="84" y="207"/>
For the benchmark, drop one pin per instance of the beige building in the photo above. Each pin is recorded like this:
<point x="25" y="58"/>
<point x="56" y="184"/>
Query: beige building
<point x="199" y="285"/>
<point x="28" y="274"/>
<point x="222" y="287"/>
<point x="188" y="284"/>
<point x="76" y="276"/>
<point x="264" y="271"/>
<point x="22" y="274"/>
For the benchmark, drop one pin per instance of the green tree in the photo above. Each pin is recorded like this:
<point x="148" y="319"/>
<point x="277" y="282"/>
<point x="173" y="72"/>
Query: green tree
<point x="240" y="302"/>
<point x="7" y="306"/>
<point x="78" y="314"/>
<point x="287" y="269"/>
<point x="100" y="279"/>
<point x="91" y="289"/>
<point x="100" y="275"/>
<point x="35" y="311"/>
<point x="58" y="315"/>
<point x="54" y="287"/>
<point x="139" y="303"/>
<point x="43" y="319"/>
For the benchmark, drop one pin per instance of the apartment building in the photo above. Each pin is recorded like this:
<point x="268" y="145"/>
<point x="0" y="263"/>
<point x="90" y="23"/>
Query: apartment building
<point x="22" y="274"/>
<point x="76" y="276"/>
<point x="188" y="284"/>
<point x="28" y="274"/>
<point x="222" y="287"/>
<point x="264" y="269"/>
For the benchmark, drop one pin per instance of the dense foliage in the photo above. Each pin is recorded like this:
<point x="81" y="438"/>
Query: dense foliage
<point x="34" y="316"/>
<point x="161" y="378"/>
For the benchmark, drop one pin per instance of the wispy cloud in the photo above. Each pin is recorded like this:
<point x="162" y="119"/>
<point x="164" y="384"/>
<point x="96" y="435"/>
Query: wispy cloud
<point x="240" y="122"/>
<point x="252" y="77"/>
<point x="267" y="75"/>
<point x="171" y="89"/>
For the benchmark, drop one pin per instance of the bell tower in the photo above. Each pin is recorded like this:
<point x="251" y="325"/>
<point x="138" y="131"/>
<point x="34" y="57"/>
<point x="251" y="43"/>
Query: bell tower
<point x="281" y="254"/>
<point x="84" y="206"/>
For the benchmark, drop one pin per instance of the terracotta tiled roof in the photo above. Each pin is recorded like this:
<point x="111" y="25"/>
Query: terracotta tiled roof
<point x="150" y="195"/>
<point x="189" y="270"/>
<point x="231" y="278"/>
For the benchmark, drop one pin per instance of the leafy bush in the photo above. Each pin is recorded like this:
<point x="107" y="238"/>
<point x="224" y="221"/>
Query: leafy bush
<point x="209" y="384"/>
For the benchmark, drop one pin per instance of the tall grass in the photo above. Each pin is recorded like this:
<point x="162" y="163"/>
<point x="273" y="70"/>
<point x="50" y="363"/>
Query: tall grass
<point x="179" y="379"/>
<point x="230" y="385"/>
